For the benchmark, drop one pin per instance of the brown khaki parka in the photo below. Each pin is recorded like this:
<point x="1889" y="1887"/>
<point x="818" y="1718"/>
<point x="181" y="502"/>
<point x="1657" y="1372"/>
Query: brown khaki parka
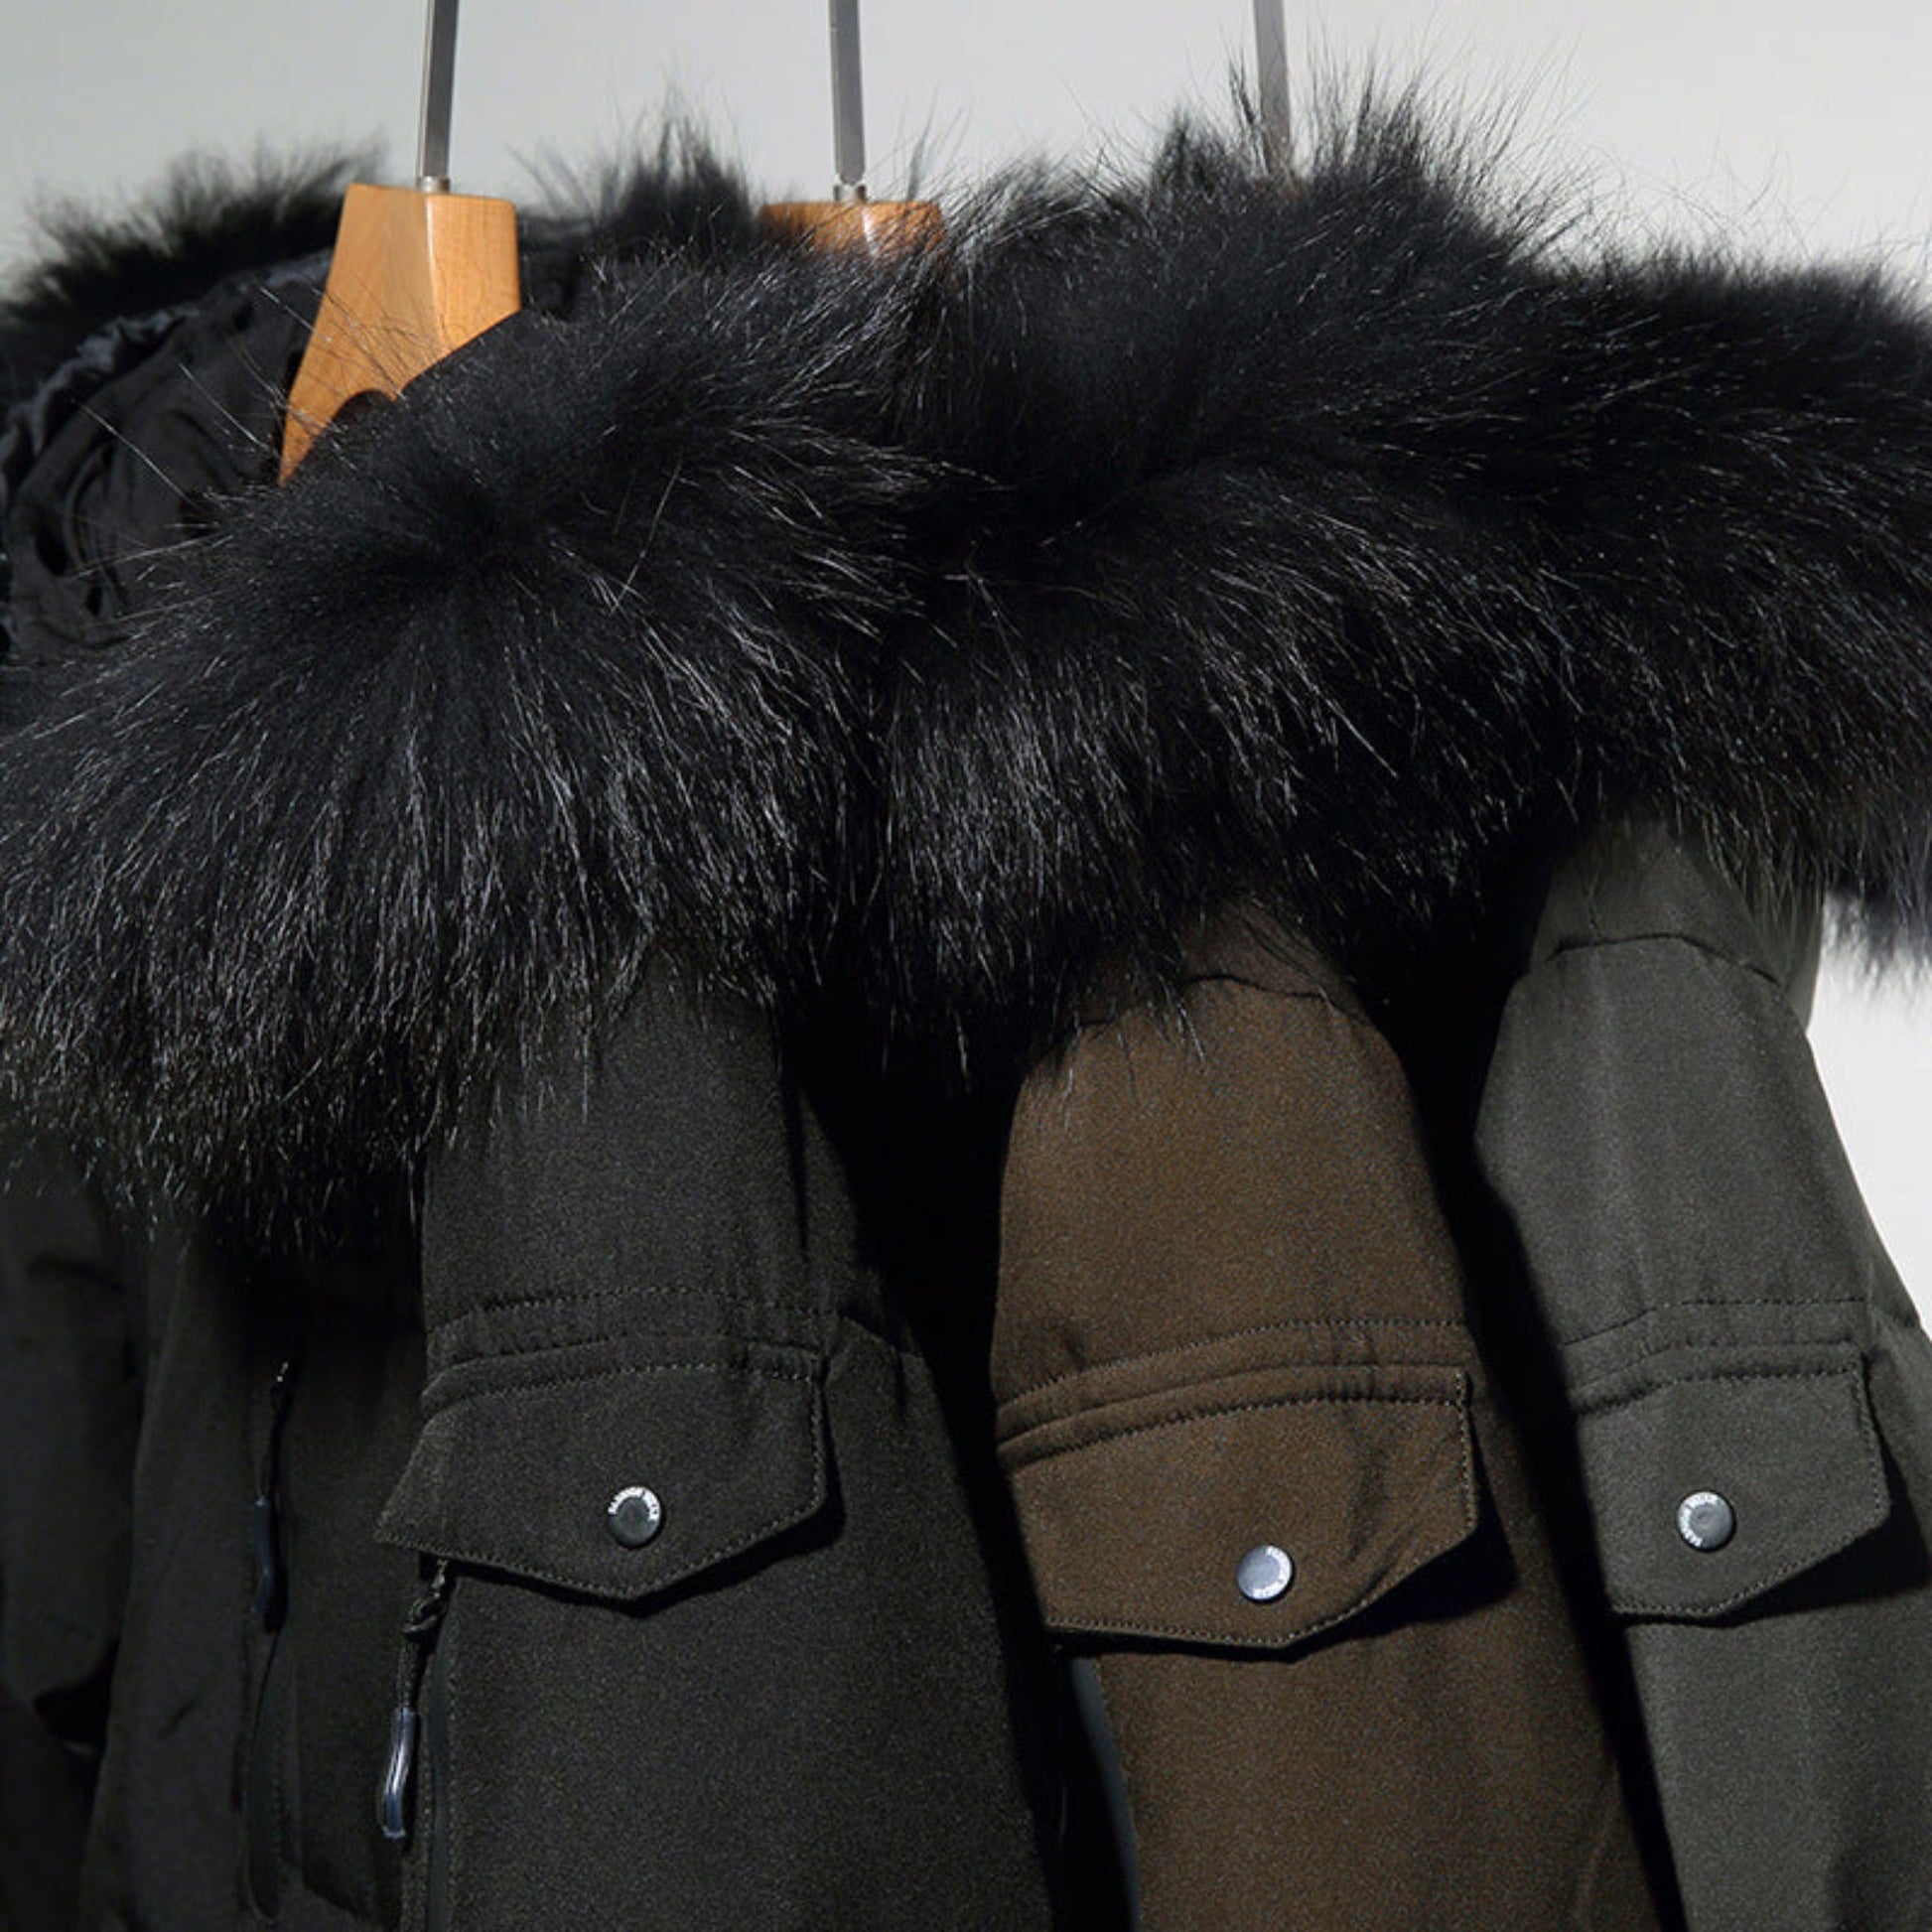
<point x="1267" y="1490"/>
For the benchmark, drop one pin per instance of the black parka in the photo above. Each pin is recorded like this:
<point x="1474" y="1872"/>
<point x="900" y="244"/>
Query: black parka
<point x="643" y="1508"/>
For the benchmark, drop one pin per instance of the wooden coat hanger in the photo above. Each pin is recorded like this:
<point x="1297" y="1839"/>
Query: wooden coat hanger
<point x="852" y="219"/>
<point x="417" y="271"/>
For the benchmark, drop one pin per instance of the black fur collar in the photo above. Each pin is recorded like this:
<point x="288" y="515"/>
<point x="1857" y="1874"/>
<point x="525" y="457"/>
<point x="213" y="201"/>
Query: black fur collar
<point x="209" y="220"/>
<point x="1347" y="549"/>
<point x="966" y="623"/>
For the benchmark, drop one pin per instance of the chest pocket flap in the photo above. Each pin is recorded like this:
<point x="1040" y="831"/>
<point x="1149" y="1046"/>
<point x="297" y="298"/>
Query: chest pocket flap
<point x="1254" y="1510"/>
<point x="618" y="1480"/>
<point x="1727" y="1479"/>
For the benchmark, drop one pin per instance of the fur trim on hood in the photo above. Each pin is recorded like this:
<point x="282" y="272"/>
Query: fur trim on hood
<point x="550" y="663"/>
<point x="988" y="615"/>
<point x="1344" y="548"/>
<point x="205" y="221"/>
<point x="210" y="219"/>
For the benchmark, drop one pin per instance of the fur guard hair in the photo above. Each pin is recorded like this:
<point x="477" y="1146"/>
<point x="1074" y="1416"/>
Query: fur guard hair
<point x="550" y="661"/>
<point x="210" y="219"/>
<point x="205" y="221"/>
<point x="1344" y="547"/>
<point x="977" y="619"/>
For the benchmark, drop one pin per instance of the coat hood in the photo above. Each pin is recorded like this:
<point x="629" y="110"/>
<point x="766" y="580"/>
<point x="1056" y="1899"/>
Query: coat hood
<point x="962" y="623"/>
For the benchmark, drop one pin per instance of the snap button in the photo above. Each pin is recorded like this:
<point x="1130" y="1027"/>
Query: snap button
<point x="1705" y="1521"/>
<point x="1264" y="1572"/>
<point x="633" y="1516"/>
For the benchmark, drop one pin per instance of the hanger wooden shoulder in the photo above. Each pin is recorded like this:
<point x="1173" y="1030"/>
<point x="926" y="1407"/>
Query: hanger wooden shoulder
<point x="414" y="276"/>
<point x="864" y="226"/>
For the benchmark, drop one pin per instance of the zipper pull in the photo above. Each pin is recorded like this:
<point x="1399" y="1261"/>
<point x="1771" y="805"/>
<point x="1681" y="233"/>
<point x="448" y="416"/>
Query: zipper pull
<point x="265" y="1530"/>
<point x="265" y="1537"/>
<point x="419" y="1630"/>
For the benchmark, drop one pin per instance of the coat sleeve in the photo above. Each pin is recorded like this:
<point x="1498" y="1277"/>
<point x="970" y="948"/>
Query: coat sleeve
<point x="1749" y="1389"/>
<point x="70" y="1401"/>
<point x="712" y="1586"/>
<point x="1273" y="1511"/>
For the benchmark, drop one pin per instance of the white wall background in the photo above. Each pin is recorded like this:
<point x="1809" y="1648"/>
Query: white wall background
<point x="1798" y="127"/>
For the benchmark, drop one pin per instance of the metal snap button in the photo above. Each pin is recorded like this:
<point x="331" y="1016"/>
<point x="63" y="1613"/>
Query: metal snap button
<point x="633" y="1516"/>
<point x="1264" y="1572"/>
<point x="1705" y="1521"/>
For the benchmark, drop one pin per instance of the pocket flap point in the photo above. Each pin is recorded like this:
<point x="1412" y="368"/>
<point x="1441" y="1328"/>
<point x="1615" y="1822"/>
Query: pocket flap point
<point x="1715" y="1486"/>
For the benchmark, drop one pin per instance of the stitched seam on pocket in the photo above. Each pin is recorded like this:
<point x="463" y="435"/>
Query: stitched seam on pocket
<point x="1728" y="1344"/>
<point x="496" y="1392"/>
<point x="1221" y="1635"/>
<point x="1225" y="1639"/>
<point x="571" y="1296"/>
<point x="1288" y="1325"/>
<point x="1020" y="1461"/>
<point x="1722" y="1302"/>
<point x="601" y="1339"/>
<point x="1603" y="1406"/>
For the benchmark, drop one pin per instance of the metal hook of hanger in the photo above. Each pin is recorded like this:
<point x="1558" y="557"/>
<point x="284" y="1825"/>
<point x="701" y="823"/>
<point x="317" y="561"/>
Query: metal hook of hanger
<point x="1271" y="83"/>
<point x="439" y="95"/>
<point x="848" y="105"/>
<point x="852" y="219"/>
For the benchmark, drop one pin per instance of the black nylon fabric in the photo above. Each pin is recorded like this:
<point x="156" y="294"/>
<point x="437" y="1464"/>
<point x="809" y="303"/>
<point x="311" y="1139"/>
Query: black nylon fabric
<point x="241" y="1762"/>
<point x="809" y="1724"/>
<point x="69" y="1409"/>
<point x="45" y="1792"/>
<point x="69" y="1406"/>
<point x="147" y="1419"/>
<point x="123" y="451"/>
<point x="164" y="1844"/>
<point x="651" y="1277"/>
<point x="1726" y="1321"/>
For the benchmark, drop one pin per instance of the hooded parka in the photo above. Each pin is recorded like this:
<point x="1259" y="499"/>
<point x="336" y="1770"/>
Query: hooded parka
<point x="1748" y="1381"/>
<point x="745" y="1054"/>
<point x="559" y="1528"/>
<point x="1268" y="1493"/>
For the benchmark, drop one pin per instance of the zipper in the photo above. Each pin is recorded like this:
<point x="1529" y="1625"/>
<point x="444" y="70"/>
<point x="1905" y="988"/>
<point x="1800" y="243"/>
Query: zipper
<point x="436" y="1725"/>
<point x="262" y="1809"/>
<point x="264" y="1514"/>
<point x="419" y="1630"/>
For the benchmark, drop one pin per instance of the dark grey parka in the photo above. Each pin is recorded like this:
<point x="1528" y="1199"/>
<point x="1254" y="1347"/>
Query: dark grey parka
<point x="638" y="1130"/>
<point x="1747" y="1380"/>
